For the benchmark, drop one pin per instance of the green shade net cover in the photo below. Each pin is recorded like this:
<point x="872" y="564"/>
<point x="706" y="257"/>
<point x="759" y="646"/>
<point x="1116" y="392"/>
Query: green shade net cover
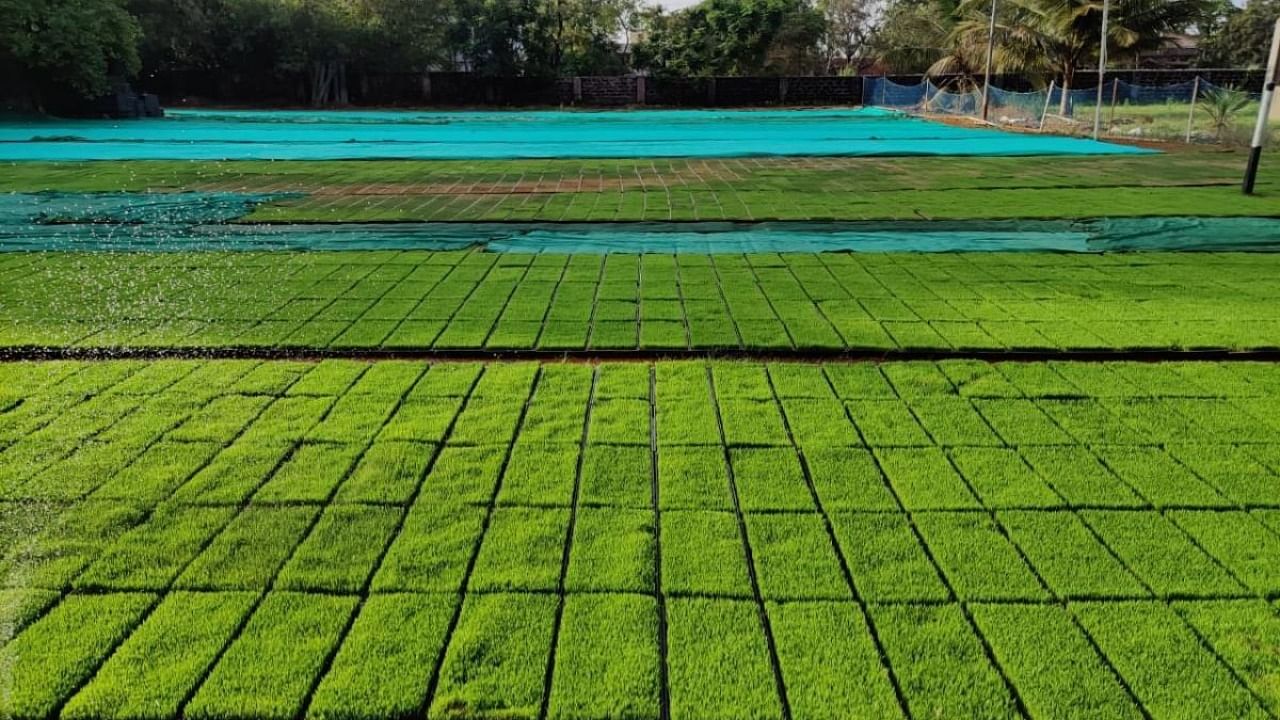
<point x="304" y="135"/>
<point x="129" y="222"/>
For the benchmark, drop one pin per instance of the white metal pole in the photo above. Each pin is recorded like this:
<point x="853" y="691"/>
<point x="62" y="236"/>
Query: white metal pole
<point x="1102" y="68"/>
<point x="991" y="51"/>
<point x="1191" y="116"/>
<point x="1264" y="114"/>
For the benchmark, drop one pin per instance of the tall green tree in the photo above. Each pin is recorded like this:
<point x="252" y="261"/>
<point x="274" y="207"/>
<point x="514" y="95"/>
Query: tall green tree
<point x="68" y="44"/>
<point x="848" y="27"/>
<point x="914" y="34"/>
<point x="733" y="37"/>
<point x="1241" y="38"/>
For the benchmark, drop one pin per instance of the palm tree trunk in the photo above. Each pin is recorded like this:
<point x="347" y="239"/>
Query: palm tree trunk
<point x="1068" y="77"/>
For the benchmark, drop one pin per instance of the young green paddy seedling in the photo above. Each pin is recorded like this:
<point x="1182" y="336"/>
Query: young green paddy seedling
<point x="432" y="550"/>
<point x="886" y="559"/>
<point x="464" y="474"/>
<point x="924" y="479"/>
<point x="617" y="476"/>
<point x="1170" y="672"/>
<point x="1001" y="478"/>
<point x="310" y="474"/>
<point x="976" y="557"/>
<point x="342" y="550"/>
<point x="381" y="674"/>
<point x="1244" y="634"/>
<point x="929" y="646"/>
<point x="54" y="656"/>
<point x="159" y="666"/>
<point x="247" y="554"/>
<point x="830" y="664"/>
<point x="402" y="529"/>
<point x="150" y="556"/>
<point x="522" y="550"/>
<point x="388" y="472"/>
<point x="1161" y="555"/>
<point x="1154" y="473"/>
<point x="607" y="661"/>
<point x="613" y="550"/>
<point x="887" y="423"/>
<point x="794" y="557"/>
<point x="1077" y="475"/>
<point x="270" y="668"/>
<point x="540" y="474"/>
<point x="693" y="478"/>
<point x="1051" y="663"/>
<point x="1073" y="562"/>
<point x="1244" y="546"/>
<point x="497" y="656"/>
<point x="703" y="554"/>
<point x="719" y="661"/>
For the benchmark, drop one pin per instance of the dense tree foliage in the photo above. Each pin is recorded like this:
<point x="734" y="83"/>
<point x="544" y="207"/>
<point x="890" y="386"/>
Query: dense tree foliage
<point x="77" y="44"/>
<point x="322" y="46"/>
<point x="732" y="37"/>
<point x="1243" y="37"/>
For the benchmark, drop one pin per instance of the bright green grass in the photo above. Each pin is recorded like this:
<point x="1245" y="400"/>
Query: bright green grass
<point x="267" y="572"/>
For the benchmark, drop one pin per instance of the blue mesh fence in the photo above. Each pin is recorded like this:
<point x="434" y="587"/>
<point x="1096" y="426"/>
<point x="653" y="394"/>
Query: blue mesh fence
<point x="883" y="92"/>
<point x="1174" y="111"/>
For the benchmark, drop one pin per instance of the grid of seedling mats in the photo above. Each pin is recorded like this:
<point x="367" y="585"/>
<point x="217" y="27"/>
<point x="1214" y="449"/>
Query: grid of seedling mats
<point x="807" y="532"/>
<point x="345" y="539"/>
<point x="819" y="302"/>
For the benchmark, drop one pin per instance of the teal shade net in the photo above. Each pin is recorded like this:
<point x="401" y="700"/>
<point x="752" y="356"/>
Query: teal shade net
<point x="302" y="135"/>
<point x="130" y="222"/>
<point x="29" y="212"/>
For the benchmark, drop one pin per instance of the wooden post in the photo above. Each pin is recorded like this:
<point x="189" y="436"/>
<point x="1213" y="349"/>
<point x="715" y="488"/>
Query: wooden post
<point x="1191" y="116"/>
<point x="991" y="51"/>
<point x="1048" y="98"/>
<point x="1102" y="68"/>
<point x="577" y="90"/>
<point x="642" y="89"/>
<point x="1115" y="96"/>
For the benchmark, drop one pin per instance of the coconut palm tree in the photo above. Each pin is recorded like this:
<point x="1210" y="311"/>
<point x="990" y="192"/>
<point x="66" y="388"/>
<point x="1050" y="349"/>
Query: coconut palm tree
<point x="1222" y="105"/>
<point x="1059" y="37"/>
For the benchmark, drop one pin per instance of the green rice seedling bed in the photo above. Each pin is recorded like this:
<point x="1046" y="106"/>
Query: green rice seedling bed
<point x="471" y="301"/>
<point x="350" y="539"/>
<point x="1182" y="182"/>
